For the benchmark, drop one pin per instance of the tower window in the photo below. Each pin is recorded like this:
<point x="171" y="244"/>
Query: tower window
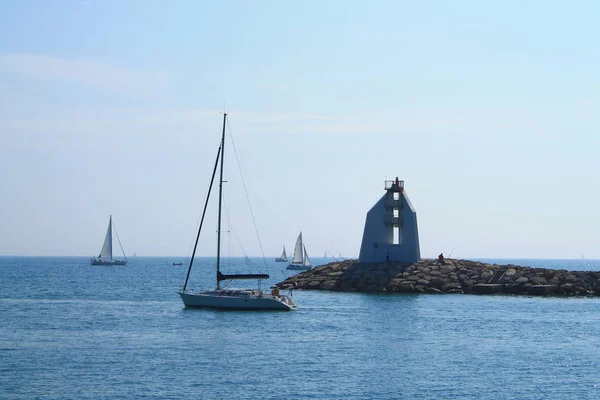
<point x="396" y="238"/>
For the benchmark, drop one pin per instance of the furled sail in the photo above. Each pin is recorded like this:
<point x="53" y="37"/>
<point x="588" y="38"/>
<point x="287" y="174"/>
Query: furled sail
<point x="222" y="277"/>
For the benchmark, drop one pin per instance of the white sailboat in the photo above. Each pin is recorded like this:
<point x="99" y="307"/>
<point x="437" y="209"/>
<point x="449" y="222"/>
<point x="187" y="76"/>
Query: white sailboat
<point x="231" y="299"/>
<point x="300" y="261"/>
<point x="106" y="254"/>
<point x="283" y="257"/>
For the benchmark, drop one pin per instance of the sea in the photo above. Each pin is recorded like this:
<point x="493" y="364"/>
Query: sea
<point x="69" y="330"/>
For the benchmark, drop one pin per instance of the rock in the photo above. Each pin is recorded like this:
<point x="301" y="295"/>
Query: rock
<point x="451" y="286"/>
<point x="486" y="275"/>
<point x="436" y="283"/>
<point x="406" y="287"/>
<point x="329" y="285"/>
<point x="570" y="278"/>
<point x="425" y="276"/>
<point x="538" y="280"/>
<point x="447" y="268"/>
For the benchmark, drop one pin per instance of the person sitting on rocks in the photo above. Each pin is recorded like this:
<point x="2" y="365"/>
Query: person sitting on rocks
<point x="441" y="259"/>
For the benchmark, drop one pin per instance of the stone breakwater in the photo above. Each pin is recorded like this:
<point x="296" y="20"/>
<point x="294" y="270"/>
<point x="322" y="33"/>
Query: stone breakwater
<point x="455" y="276"/>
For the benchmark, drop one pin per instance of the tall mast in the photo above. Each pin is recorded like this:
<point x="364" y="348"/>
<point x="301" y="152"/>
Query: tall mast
<point x="110" y="233"/>
<point x="212" y="179"/>
<point x="220" y="201"/>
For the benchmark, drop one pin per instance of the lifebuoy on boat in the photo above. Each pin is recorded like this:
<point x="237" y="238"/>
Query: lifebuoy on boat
<point x="275" y="292"/>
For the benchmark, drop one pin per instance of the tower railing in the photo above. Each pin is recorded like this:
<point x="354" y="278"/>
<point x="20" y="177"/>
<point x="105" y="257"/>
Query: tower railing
<point x="399" y="185"/>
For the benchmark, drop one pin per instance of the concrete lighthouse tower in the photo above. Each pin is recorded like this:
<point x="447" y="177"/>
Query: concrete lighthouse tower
<point x="391" y="228"/>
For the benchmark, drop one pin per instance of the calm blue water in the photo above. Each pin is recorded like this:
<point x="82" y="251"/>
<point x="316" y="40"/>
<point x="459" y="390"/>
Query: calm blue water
<point x="72" y="331"/>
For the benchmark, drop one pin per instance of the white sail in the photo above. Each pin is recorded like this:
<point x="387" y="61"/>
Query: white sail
<point x="106" y="252"/>
<point x="306" y="261"/>
<point x="283" y="257"/>
<point x="298" y="254"/>
<point x="301" y="260"/>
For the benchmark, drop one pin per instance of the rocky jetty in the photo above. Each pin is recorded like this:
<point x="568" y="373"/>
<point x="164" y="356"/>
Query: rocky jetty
<point x="455" y="276"/>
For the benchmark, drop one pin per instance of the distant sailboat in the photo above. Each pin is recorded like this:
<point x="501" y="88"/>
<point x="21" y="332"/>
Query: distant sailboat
<point x="106" y="254"/>
<point x="300" y="261"/>
<point x="231" y="299"/>
<point x="283" y="257"/>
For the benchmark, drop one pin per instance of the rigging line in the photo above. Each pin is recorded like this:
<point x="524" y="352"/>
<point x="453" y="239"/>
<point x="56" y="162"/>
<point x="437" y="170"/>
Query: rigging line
<point x="341" y="256"/>
<point x="226" y="193"/>
<point x="191" y="246"/>
<point x="336" y="258"/>
<point x="230" y="230"/>
<point x="203" y="215"/>
<point x="247" y="196"/>
<point x="227" y="231"/>
<point x="119" y="240"/>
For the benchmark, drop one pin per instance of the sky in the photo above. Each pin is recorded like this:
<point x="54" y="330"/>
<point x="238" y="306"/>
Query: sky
<point x="487" y="111"/>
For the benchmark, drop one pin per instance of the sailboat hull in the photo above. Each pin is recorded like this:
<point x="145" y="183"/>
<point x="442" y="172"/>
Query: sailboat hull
<point x="298" y="267"/>
<point x="238" y="300"/>
<point x="281" y="260"/>
<point x="95" y="261"/>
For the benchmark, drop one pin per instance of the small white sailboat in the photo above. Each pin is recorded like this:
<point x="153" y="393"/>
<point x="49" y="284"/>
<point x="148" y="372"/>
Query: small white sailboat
<point x="283" y="257"/>
<point x="230" y="299"/>
<point x="106" y="254"/>
<point x="300" y="262"/>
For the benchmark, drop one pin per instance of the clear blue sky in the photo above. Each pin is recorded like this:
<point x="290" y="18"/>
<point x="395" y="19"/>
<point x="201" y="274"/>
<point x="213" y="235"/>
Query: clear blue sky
<point x="488" y="111"/>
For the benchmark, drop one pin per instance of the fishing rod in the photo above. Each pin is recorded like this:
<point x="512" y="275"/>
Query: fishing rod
<point x="450" y="255"/>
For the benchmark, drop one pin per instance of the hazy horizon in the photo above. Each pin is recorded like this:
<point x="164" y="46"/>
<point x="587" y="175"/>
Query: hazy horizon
<point x="329" y="259"/>
<point x="488" y="112"/>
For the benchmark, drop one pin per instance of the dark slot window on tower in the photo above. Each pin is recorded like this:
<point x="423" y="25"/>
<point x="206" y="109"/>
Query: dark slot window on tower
<point x="396" y="235"/>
